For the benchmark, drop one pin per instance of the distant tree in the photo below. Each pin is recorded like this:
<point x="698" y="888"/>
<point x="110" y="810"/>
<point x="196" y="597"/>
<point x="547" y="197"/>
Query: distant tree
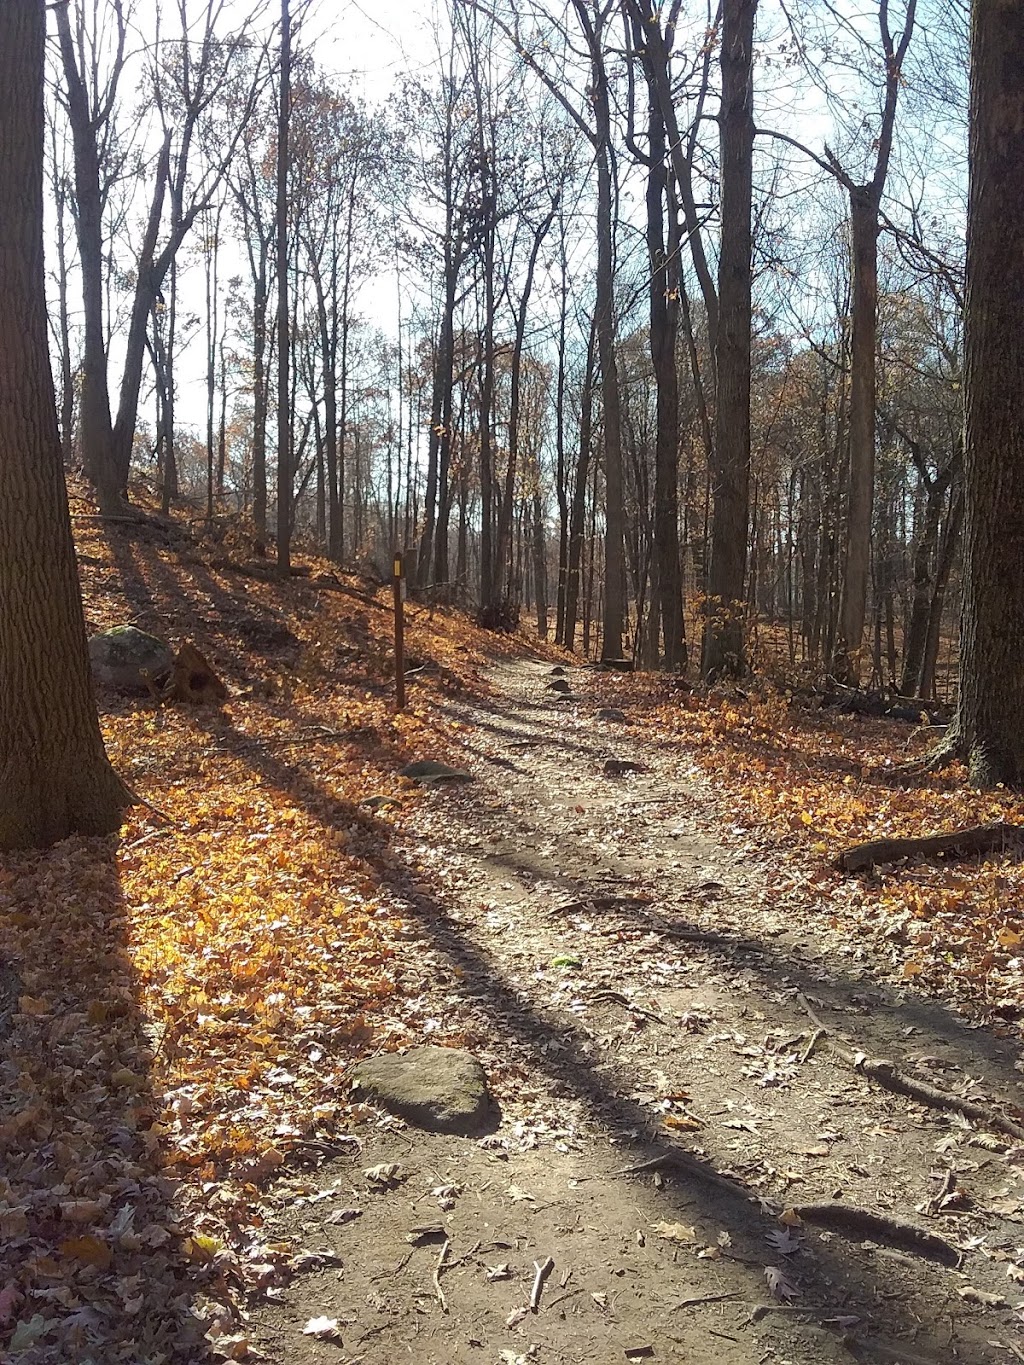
<point x="989" y="728"/>
<point x="188" y="75"/>
<point x="55" y="779"/>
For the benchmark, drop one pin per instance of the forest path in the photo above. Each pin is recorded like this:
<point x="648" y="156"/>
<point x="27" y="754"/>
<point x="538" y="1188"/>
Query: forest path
<point x="628" y="976"/>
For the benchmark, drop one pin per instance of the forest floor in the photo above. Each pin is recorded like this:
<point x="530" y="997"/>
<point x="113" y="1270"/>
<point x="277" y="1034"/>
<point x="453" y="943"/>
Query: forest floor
<point x="631" y="954"/>
<point x="629" y="972"/>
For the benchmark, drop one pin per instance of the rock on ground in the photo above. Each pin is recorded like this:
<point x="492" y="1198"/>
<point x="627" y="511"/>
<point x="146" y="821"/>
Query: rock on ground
<point x="119" y="658"/>
<point x="441" y="1089"/>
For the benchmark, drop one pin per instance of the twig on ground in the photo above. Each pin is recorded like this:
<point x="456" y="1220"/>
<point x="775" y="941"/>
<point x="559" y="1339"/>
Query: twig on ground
<point x="816" y="1038"/>
<point x="698" y="1300"/>
<point x="442" y="1300"/>
<point x="543" y="1269"/>
<point x="617" y="998"/>
<point x="681" y="1161"/>
<point x="137" y="800"/>
<point x="886" y="1074"/>
<point x="145" y="838"/>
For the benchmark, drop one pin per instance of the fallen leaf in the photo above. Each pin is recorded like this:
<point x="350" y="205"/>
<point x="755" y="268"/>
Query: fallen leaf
<point x="778" y="1286"/>
<point x="323" y="1328"/>
<point x="676" y="1232"/>
<point x="782" y="1240"/>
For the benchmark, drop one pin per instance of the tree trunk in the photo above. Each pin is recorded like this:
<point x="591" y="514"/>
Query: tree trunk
<point x="864" y="204"/>
<point x="988" y="730"/>
<point x="95" y="425"/>
<point x="664" y="310"/>
<point x="947" y="554"/>
<point x="285" y="476"/>
<point x="723" y="632"/>
<point x="614" y="615"/>
<point x="55" y="779"/>
<point x="578" y="510"/>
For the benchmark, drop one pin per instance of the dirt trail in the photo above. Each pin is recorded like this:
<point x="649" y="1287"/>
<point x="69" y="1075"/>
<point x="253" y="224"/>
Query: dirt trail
<point x="629" y="977"/>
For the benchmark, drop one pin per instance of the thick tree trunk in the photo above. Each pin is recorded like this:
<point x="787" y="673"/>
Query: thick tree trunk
<point x="439" y="438"/>
<point x="55" y="779"/>
<point x="989" y="729"/>
<point x="723" y="632"/>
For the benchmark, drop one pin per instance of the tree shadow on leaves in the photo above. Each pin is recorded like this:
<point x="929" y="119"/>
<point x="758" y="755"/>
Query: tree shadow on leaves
<point x="93" y="1267"/>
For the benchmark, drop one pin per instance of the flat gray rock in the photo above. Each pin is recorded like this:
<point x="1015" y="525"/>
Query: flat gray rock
<point x="612" y="713"/>
<point x="121" y="657"/>
<point x="441" y="1089"/>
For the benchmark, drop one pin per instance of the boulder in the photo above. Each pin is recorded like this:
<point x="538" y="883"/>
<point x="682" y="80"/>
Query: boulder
<point x="121" y="658"/>
<point x="441" y="1089"/>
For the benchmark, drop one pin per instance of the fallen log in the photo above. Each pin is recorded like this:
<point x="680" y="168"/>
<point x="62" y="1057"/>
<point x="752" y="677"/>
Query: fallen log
<point x="961" y="843"/>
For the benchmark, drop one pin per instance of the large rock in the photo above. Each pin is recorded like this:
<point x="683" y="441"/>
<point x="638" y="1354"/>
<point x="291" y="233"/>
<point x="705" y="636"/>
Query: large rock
<point x="442" y="1089"/>
<point x="121" y="656"/>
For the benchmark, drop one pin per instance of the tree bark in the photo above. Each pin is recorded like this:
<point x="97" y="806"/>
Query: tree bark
<point x="55" y="779"/>
<point x="723" y="632"/>
<point x="989" y="730"/>
<point x="864" y="205"/>
<point x="285" y="474"/>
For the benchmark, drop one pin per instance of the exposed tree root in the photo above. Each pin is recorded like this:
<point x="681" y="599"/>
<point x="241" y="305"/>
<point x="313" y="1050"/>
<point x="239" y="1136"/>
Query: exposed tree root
<point x="886" y="1074"/>
<point x="962" y="843"/>
<point x="880" y="1227"/>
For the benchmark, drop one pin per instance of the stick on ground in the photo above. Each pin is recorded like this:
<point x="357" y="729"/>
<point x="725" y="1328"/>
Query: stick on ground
<point x="543" y="1269"/>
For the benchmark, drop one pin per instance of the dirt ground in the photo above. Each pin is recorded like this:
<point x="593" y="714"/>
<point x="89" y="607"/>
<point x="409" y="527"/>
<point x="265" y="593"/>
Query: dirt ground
<point x="629" y="972"/>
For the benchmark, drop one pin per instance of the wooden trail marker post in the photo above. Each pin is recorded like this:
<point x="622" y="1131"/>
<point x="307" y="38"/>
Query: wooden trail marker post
<point x="398" y="579"/>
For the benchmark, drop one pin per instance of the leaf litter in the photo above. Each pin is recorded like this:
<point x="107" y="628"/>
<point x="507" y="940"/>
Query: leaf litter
<point x="186" y="1003"/>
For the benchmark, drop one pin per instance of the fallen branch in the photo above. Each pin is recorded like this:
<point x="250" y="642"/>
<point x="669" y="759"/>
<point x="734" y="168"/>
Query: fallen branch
<point x="880" y="1227"/>
<point x="543" y="1269"/>
<point x="617" y="998"/>
<point x="992" y="838"/>
<point x="680" y="1161"/>
<point x="701" y="1299"/>
<point x="815" y="1039"/>
<point x="886" y="1074"/>
<point x="437" y="1277"/>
